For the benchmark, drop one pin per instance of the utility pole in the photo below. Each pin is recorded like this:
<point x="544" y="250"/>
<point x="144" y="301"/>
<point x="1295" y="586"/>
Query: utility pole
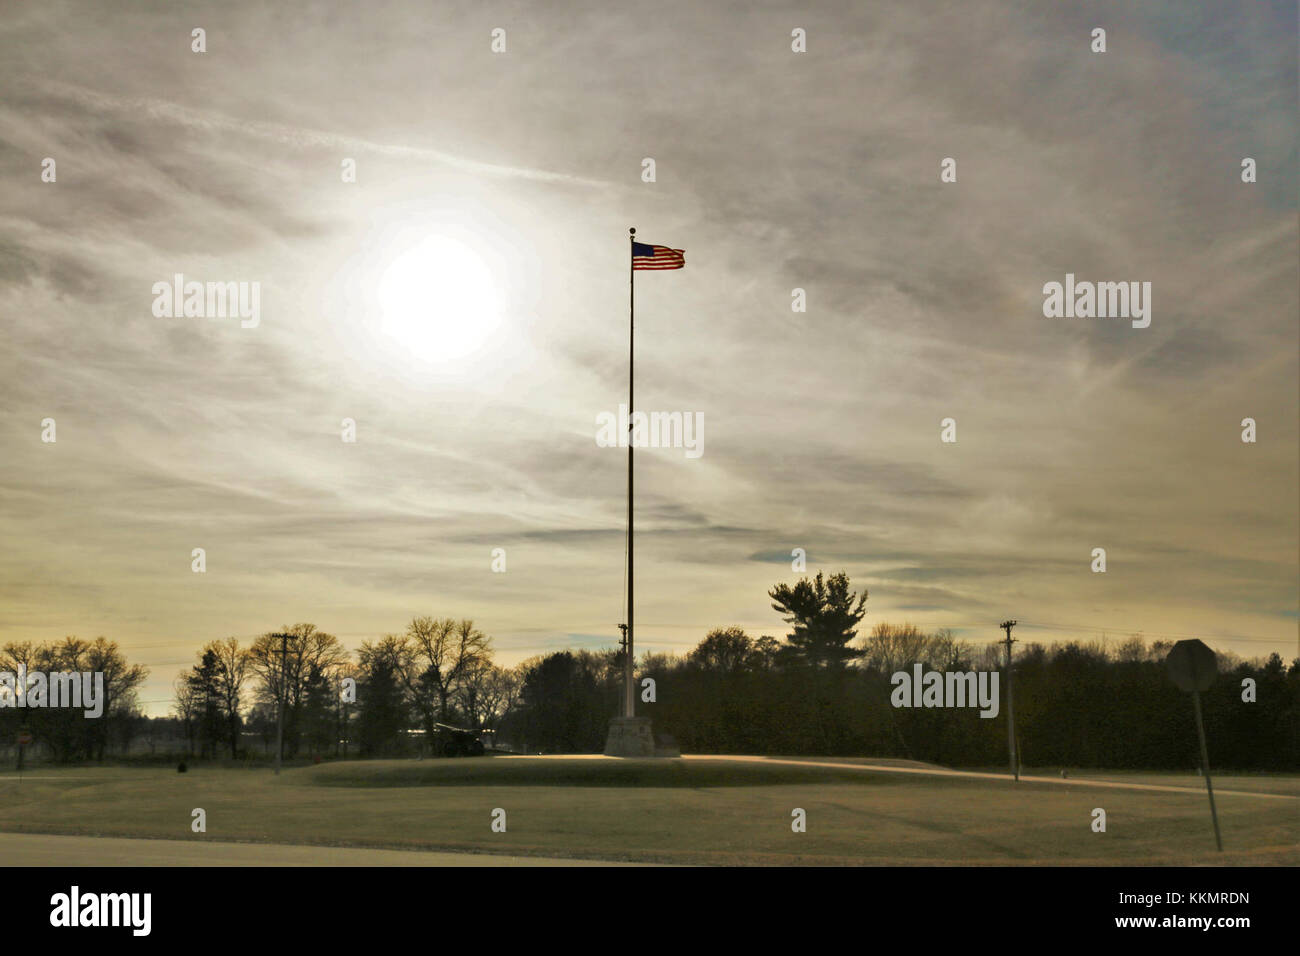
<point x="279" y="710"/>
<point x="1011" y="707"/>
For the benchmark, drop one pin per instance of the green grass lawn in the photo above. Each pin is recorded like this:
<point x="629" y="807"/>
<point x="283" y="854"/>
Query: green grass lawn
<point x="685" y="811"/>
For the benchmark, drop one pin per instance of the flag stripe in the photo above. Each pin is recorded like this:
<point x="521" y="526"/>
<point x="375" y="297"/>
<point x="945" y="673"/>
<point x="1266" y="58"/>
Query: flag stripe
<point x="654" y="258"/>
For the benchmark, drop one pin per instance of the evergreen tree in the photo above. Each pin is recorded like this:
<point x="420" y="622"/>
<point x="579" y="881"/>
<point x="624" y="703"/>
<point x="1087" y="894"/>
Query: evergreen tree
<point x="824" y="615"/>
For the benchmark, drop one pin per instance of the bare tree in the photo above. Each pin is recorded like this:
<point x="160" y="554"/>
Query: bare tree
<point x="891" y="648"/>
<point x="18" y="653"/>
<point x="305" y="649"/>
<point x="946" y="651"/>
<point x="501" y="695"/>
<point x="487" y="694"/>
<point x="447" y="650"/>
<point x="233" y="668"/>
<point x="121" y="680"/>
<point x="186" y="708"/>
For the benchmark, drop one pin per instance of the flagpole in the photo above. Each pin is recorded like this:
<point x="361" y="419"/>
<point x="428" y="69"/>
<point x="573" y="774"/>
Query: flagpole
<point x="629" y="703"/>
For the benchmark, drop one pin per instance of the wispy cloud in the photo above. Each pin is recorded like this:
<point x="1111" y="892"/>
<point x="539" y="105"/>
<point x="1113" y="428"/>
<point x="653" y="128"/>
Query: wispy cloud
<point x="160" y="110"/>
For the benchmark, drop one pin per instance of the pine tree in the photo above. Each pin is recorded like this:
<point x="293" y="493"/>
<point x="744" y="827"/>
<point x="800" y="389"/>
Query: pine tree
<point x="824" y="615"/>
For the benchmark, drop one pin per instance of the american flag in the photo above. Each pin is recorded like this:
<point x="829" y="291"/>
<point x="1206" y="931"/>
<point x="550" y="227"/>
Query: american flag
<point x="645" y="256"/>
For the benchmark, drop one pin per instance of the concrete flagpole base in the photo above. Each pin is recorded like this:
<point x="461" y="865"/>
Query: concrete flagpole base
<point x="632" y="737"/>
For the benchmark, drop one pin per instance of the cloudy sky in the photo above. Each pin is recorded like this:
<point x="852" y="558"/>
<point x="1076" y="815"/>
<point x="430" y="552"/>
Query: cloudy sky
<point x="775" y="170"/>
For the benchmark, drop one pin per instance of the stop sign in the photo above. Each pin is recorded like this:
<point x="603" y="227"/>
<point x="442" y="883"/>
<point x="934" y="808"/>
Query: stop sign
<point x="1192" y="666"/>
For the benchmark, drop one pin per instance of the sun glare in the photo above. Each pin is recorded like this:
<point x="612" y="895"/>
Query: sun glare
<point x="439" y="300"/>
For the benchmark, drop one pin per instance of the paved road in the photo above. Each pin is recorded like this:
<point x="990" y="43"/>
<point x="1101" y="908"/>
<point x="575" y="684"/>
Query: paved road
<point x="38" y="849"/>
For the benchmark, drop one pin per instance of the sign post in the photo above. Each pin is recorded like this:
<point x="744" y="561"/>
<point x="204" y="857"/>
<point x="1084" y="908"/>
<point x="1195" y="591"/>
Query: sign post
<point x="1193" y="667"/>
<point x="24" y="738"/>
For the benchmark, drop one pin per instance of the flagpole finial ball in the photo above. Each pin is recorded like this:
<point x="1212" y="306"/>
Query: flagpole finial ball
<point x="632" y="231"/>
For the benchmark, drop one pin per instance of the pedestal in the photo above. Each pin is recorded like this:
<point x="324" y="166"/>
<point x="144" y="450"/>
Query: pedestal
<point x="630" y="737"/>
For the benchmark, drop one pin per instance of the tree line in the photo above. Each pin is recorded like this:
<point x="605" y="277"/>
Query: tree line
<point x="819" y="690"/>
<point x="823" y="691"/>
<point x="439" y="672"/>
<point x="66" y="732"/>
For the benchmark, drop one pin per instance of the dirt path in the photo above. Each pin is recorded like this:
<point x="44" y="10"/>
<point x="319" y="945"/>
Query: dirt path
<point x="940" y="772"/>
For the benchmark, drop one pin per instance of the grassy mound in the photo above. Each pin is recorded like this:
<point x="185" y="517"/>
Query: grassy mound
<point x="575" y="772"/>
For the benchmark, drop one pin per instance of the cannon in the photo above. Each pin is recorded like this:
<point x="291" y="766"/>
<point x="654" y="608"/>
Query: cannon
<point x="449" y="741"/>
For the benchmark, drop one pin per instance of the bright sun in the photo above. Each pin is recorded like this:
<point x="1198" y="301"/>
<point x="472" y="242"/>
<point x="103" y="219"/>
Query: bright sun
<point x="439" y="300"/>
